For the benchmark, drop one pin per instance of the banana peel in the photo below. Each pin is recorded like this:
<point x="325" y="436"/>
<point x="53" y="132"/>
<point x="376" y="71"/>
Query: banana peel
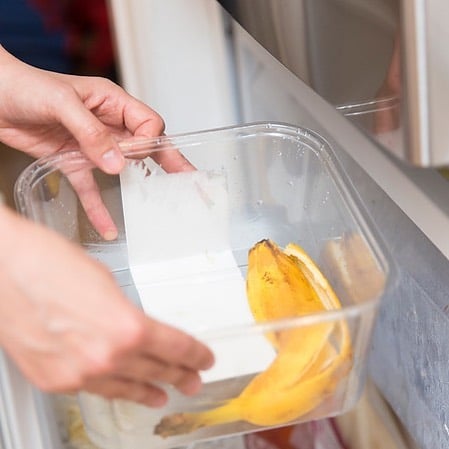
<point x="310" y="360"/>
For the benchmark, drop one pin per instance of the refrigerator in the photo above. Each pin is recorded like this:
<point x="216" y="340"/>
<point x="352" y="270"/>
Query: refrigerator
<point x="202" y="65"/>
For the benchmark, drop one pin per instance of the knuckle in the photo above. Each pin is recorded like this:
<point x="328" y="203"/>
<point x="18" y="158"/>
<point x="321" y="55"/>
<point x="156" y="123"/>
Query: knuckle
<point x="95" y="132"/>
<point x="98" y="360"/>
<point x="159" y="123"/>
<point x="101" y="363"/>
<point x="133" y="331"/>
<point x="107" y="82"/>
<point x="64" y="93"/>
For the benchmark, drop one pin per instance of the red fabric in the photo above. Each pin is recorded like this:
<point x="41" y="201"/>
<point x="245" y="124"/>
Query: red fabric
<point x="52" y="12"/>
<point x="89" y="36"/>
<point x="85" y="24"/>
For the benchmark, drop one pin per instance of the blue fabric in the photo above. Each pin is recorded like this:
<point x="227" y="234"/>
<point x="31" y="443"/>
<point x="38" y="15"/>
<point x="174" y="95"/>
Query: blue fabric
<point x="23" y="33"/>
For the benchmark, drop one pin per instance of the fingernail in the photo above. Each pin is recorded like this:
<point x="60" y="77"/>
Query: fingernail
<point x="113" y="161"/>
<point x="110" y="234"/>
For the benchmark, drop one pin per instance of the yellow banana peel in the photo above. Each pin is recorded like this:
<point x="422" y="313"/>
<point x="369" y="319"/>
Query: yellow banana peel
<point x="310" y="361"/>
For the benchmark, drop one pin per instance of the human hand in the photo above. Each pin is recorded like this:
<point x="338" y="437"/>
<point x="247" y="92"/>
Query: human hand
<point x="68" y="326"/>
<point x="44" y="112"/>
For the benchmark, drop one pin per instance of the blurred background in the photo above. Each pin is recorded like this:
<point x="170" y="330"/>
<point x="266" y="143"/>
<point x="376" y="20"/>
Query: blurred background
<point x="69" y="36"/>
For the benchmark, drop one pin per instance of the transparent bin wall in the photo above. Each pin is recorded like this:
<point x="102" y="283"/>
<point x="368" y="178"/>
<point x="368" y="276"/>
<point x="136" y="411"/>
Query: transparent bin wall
<point x="284" y="184"/>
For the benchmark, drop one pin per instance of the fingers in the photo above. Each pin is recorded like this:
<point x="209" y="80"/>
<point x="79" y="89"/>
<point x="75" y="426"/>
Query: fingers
<point x="176" y="347"/>
<point x="65" y="341"/>
<point x="93" y="136"/>
<point x="137" y="379"/>
<point x="143" y="369"/>
<point x="86" y="188"/>
<point x="118" y="388"/>
<point x="157" y="354"/>
<point x="164" y="356"/>
<point x="97" y="107"/>
<point x="140" y="119"/>
<point x="172" y="161"/>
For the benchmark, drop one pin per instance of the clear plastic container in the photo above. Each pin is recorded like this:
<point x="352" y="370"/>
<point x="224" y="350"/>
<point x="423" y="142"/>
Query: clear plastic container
<point x="285" y="184"/>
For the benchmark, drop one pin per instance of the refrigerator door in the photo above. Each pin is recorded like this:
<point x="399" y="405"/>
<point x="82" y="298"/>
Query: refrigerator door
<point x="381" y="62"/>
<point x="191" y="55"/>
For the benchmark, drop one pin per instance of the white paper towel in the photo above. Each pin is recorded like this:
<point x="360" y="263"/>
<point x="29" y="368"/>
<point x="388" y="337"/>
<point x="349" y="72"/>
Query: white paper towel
<point x="177" y="228"/>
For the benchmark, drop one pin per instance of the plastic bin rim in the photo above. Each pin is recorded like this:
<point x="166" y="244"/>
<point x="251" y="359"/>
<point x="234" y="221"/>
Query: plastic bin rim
<point x="45" y="165"/>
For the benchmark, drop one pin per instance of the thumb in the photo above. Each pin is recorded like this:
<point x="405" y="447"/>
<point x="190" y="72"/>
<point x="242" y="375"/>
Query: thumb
<point x="93" y="137"/>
